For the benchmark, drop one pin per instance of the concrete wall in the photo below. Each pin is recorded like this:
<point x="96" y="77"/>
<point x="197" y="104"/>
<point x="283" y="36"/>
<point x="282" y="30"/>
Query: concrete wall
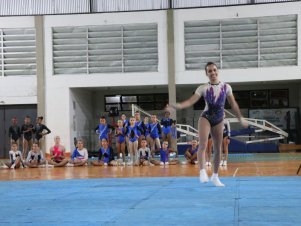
<point x="18" y="89"/>
<point x="234" y="75"/>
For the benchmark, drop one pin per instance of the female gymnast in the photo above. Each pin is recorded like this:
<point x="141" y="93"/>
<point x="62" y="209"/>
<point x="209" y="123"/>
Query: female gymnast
<point x="211" y="120"/>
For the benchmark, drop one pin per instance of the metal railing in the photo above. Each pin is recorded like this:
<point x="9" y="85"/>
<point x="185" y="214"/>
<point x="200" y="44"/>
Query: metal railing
<point x="260" y="125"/>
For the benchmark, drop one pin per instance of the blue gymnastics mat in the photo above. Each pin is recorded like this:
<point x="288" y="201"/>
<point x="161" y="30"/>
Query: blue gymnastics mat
<point x="245" y="201"/>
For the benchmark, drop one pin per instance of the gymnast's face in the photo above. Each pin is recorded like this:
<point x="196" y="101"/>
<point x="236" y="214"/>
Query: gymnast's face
<point x="194" y="143"/>
<point x="143" y="143"/>
<point x="80" y="145"/>
<point x="14" y="121"/>
<point x="212" y="73"/>
<point x="102" y="121"/>
<point x="35" y="148"/>
<point x="104" y="143"/>
<point x="132" y="121"/>
<point x="57" y="140"/>
<point x="14" y="147"/>
<point x="154" y="118"/>
<point x="165" y="145"/>
<point x="145" y="120"/>
<point x="120" y="123"/>
<point x="123" y="117"/>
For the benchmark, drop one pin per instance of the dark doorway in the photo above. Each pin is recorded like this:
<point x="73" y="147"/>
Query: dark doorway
<point x="7" y="112"/>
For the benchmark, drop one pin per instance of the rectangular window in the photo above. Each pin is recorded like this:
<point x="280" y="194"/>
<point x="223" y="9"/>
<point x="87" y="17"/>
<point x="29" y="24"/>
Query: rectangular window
<point x="147" y="102"/>
<point x="241" y="43"/>
<point x="105" y="49"/>
<point x="18" y="51"/>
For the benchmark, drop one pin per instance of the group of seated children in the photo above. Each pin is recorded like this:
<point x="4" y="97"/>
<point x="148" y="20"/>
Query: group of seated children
<point x="79" y="157"/>
<point x="34" y="158"/>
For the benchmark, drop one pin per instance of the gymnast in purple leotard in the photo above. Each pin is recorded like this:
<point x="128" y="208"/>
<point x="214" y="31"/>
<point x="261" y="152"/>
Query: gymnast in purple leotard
<point x="215" y="94"/>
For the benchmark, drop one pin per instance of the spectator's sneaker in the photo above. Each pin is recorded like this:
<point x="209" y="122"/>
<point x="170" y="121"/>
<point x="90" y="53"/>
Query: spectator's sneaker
<point x="221" y="163"/>
<point x="209" y="164"/>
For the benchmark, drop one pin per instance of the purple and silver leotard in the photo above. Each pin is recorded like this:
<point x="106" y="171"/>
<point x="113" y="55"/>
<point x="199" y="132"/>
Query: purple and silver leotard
<point x="215" y="97"/>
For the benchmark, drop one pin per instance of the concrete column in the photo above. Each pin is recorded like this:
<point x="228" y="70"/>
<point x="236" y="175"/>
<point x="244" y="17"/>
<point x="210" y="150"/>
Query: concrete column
<point x="298" y="126"/>
<point x="39" y="26"/>
<point x="171" y="60"/>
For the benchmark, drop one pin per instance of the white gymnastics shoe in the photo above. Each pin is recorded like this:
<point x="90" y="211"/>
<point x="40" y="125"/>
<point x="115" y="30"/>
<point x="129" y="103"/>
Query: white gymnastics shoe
<point x="215" y="180"/>
<point x="203" y="176"/>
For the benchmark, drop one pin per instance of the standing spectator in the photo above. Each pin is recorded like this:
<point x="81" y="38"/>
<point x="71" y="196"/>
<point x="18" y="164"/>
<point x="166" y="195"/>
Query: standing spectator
<point x="103" y="129"/>
<point x="27" y="131"/>
<point x="14" y="131"/>
<point x="39" y="129"/>
<point x="166" y="123"/>
<point x="140" y="126"/>
<point x="120" y="140"/>
<point x="226" y="141"/>
<point x="154" y="129"/>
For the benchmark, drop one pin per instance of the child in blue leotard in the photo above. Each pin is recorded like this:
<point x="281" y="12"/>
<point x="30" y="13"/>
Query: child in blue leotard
<point x="166" y="123"/>
<point x="120" y="140"/>
<point x="106" y="155"/>
<point x="140" y="126"/>
<point x="132" y="134"/>
<point x="191" y="152"/>
<point x="103" y="129"/>
<point x="147" y="134"/>
<point x="154" y="129"/>
<point x="164" y="156"/>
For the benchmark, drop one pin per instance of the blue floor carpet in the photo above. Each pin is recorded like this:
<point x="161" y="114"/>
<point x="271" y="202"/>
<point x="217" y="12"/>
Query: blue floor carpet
<point x="245" y="201"/>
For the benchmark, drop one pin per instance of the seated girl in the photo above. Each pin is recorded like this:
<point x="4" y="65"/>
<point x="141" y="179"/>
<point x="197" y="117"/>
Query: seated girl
<point x="57" y="154"/>
<point x="35" y="157"/>
<point x="106" y="155"/>
<point x="15" y="157"/>
<point x="143" y="154"/>
<point x="191" y="153"/>
<point x="80" y="155"/>
<point x="164" y="156"/>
